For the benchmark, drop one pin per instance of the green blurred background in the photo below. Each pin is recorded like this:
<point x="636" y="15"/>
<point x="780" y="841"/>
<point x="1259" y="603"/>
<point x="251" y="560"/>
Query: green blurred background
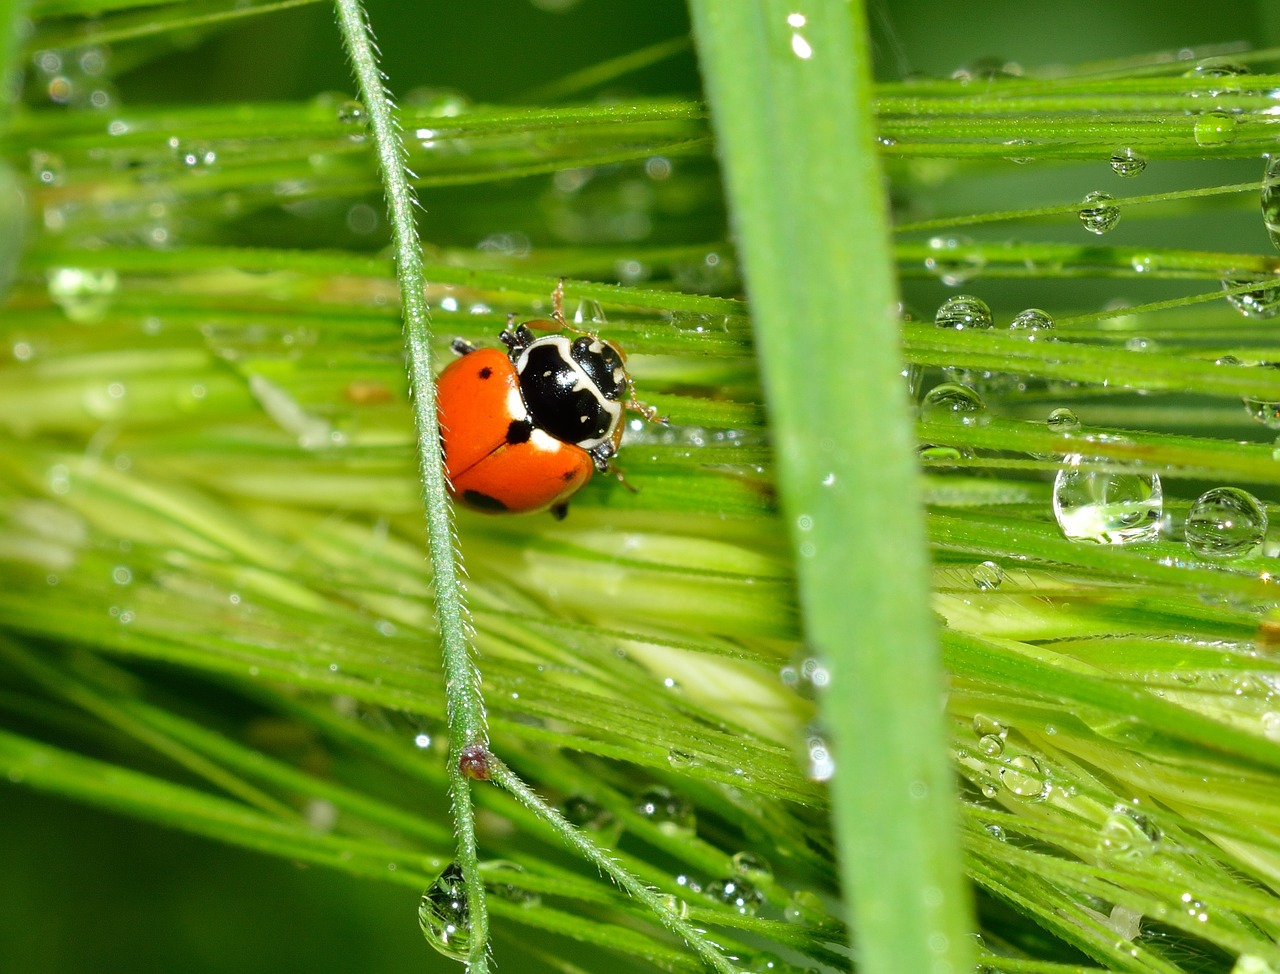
<point x="85" y="891"/>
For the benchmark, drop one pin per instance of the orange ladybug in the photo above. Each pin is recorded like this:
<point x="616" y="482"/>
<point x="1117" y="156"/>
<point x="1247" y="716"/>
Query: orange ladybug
<point x="524" y="429"/>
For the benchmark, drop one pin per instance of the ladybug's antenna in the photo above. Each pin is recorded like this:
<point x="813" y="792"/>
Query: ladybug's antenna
<point x="557" y="304"/>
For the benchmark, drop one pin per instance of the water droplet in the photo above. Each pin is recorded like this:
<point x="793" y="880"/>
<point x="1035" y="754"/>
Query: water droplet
<point x="1033" y="324"/>
<point x="737" y="893"/>
<point x="984" y="725"/>
<point x="1126" y="835"/>
<point x="680" y="759"/>
<point x="444" y="916"/>
<point x="84" y="294"/>
<point x="1262" y="301"/>
<point x="805" y="906"/>
<point x="1097" y="215"/>
<point x="1022" y="777"/>
<point x="1214" y="129"/>
<point x="1106" y="506"/>
<point x="1225" y="522"/>
<point x="988" y="576"/>
<point x="1265" y="411"/>
<point x="1062" y="420"/>
<point x="954" y="259"/>
<point x="505" y="880"/>
<point x="193" y="155"/>
<point x="1126" y="162"/>
<point x="752" y="866"/>
<point x="911" y="375"/>
<point x="964" y="311"/>
<point x="806" y="673"/>
<point x="671" y="813"/>
<point x="820" y="762"/>
<point x="1270" y="722"/>
<point x="675" y="904"/>
<point x="1018" y="160"/>
<point x="1271" y="199"/>
<point x="990" y="746"/>
<point x="586" y="813"/>
<point x="953" y="405"/>
<point x="351" y="112"/>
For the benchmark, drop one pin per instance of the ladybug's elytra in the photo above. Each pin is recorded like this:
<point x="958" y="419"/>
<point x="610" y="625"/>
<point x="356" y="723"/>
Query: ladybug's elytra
<point x="524" y="429"/>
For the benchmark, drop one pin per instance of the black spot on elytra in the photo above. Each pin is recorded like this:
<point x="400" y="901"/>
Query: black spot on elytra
<point x="485" y="372"/>
<point x="567" y="476"/>
<point x="482" y="502"/>
<point x="519" y="431"/>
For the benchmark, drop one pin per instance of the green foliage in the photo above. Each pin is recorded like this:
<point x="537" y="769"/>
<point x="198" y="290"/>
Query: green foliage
<point x="215" y="605"/>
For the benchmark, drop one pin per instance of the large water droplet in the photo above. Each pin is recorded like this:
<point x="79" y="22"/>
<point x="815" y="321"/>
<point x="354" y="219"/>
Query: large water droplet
<point x="954" y="259"/>
<point x="988" y="576"/>
<point x="1022" y="777"/>
<point x="964" y="311"/>
<point x="1127" y="836"/>
<point x="1097" y="214"/>
<point x="1214" y="129"/>
<point x="444" y="916"/>
<point x="953" y="405"/>
<point x="351" y="112"/>
<point x="1265" y="411"/>
<point x="506" y="880"/>
<point x="586" y="813"/>
<point x="1106" y="506"/>
<point x="1126" y="162"/>
<point x="752" y="866"/>
<point x="1062" y="420"/>
<point x="1033" y="324"/>
<point x="1225" y="522"/>
<point x="737" y="893"/>
<point x="671" y="813"/>
<point x="1262" y="301"/>
<point x="1271" y="199"/>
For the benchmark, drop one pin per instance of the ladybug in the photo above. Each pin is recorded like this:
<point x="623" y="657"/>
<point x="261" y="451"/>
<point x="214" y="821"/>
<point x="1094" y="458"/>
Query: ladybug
<point x="524" y="429"/>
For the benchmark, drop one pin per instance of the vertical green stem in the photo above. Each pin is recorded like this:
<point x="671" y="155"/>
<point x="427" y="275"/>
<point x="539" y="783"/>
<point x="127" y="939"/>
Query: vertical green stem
<point x="12" y="14"/>
<point x="790" y="91"/>
<point x="462" y="682"/>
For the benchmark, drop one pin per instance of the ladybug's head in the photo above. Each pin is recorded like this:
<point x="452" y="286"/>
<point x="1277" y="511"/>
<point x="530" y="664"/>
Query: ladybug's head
<point x="603" y="363"/>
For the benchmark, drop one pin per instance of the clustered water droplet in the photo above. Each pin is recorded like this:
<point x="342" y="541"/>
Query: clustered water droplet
<point x="954" y="405"/>
<point x="1105" y="505"/>
<point x="964" y="312"/>
<point x="1271" y="199"/>
<point x="670" y="812"/>
<point x="737" y="893"/>
<point x="1265" y="411"/>
<point x="1127" y="163"/>
<point x="1032" y="324"/>
<point x="1127" y="835"/>
<point x="954" y="259"/>
<point x="1098" y="214"/>
<point x="987" y="576"/>
<point x="1261" y="300"/>
<point x="1022" y="777"/>
<point x="1225" y="522"/>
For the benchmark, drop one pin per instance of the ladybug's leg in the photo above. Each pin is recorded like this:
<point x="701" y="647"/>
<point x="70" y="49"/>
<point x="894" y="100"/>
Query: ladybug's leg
<point x="644" y="409"/>
<point x="603" y="454"/>
<point x="560" y="511"/>
<point x="460" y="347"/>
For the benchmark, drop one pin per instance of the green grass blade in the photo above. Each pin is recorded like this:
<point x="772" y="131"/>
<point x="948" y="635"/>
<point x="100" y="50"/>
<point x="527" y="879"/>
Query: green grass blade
<point x="791" y="105"/>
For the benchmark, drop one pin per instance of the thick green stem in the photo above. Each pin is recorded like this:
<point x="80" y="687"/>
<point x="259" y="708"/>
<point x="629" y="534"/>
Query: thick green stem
<point x="462" y="681"/>
<point x="790" y="91"/>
